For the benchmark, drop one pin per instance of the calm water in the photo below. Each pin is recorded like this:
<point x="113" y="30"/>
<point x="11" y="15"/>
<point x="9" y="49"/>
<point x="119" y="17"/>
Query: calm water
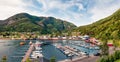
<point x="12" y="50"/>
<point x="15" y="52"/>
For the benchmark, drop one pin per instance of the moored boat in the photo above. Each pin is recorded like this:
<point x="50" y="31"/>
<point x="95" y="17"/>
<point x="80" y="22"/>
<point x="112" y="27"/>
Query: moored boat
<point x="38" y="43"/>
<point x="30" y="43"/>
<point x="37" y="53"/>
<point x="22" y="43"/>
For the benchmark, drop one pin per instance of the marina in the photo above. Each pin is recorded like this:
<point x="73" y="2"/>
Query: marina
<point x="62" y="50"/>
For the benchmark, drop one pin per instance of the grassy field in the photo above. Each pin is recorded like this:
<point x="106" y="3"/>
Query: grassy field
<point x="117" y="60"/>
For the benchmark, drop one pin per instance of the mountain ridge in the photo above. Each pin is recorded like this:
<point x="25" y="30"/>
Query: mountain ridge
<point x="24" y="22"/>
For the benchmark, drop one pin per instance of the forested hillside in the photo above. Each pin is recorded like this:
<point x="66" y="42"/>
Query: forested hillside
<point x="108" y="27"/>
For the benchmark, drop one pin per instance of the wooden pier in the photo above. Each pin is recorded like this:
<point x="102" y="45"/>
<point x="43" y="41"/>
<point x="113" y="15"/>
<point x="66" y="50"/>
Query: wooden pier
<point x="80" y="54"/>
<point x="27" y="54"/>
<point x="71" y="50"/>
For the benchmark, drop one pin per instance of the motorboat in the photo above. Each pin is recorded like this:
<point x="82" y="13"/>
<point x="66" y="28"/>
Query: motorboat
<point x="97" y="48"/>
<point x="38" y="48"/>
<point x="66" y="52"/>
<point x="36" y="54"/>
<point x="38" y="43"/>
<point x="30" y="42"/>
<point x="22" y="43"/>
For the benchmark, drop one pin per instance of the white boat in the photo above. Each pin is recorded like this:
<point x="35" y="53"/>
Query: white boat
<point x="97" y="48"/>
<point x="37" y="45"/>
<point x="83" y="53"/>
<point x="90" y="47"/>
<point x="37" y="42"/>
<point x="69" y="54"/>
<point x="66" y="52"/>
<point x="38" y="48"/>
<point x="36" y="54"/>
<point x="30" y="42"/>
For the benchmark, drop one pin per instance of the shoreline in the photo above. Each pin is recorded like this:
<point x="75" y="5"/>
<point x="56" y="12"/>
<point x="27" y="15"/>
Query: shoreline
<point x="9" y="39"/>
<point x="35" y="39"/>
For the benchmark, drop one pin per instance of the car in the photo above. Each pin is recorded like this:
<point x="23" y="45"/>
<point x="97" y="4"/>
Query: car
<point x="97" y="54"/>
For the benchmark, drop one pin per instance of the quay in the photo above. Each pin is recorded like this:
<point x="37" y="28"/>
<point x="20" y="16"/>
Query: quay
<point x="27" y="54"/>
<point x="80" y="55"/>
<point x="82" y="59"/>
<point x="71" y="50"/>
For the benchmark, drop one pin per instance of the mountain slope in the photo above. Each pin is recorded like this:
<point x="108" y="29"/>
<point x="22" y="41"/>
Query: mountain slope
<point x="24" y="22"/>
<point x="108" y="27"/>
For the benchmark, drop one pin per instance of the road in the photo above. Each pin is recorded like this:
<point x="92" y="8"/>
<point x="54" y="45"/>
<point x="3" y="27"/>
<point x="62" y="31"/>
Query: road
<point x="90" y="59"/>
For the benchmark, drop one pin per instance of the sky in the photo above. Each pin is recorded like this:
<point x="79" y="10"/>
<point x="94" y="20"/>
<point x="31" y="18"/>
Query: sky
<point x="78" y="12"/>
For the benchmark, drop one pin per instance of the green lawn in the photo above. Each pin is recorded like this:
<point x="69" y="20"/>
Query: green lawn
<point x="117" y="60"/>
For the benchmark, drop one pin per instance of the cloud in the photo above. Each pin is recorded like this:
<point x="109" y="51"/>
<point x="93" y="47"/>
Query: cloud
<point x="104" y="8"/>
<point x="79" y="12"/>
<point x="63" y="9"/>
<point x="9" y="8"/>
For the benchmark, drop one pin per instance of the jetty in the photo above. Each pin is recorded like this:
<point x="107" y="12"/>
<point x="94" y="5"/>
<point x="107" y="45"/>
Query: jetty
<point x="27" y="54"/>
<point x="34" y="52"/>
<point x="71" y="51"/>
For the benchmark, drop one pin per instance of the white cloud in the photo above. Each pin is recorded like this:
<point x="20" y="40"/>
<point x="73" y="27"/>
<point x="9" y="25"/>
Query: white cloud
<point x="100" y="9"/>
<point x="62" y="10"/>
<point x="10" y="3"/>
<point x="9" y="8"/>
<point x="50" y="4"/>
<point x="103" y="8"/>
<point x="8" y="11"/>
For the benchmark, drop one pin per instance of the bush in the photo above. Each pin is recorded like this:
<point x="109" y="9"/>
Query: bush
<point x="53" y="59"/>
<point x="110" y="58"/>
<point x="4" y="59"/>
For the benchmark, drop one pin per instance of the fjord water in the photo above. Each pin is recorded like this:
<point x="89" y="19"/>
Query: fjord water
<point x="12" y="50"/>
<point x="15" y="52"/>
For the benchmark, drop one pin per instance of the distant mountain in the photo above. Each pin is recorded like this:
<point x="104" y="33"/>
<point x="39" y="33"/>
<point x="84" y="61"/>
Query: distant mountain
<point x="108" y="27"/>
<point x="24" y="22"/>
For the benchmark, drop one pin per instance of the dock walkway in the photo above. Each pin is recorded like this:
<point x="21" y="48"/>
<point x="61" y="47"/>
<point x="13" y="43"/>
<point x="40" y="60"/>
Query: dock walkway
<point x="80" y="56"/>
<point x="27" y="54"/>
<point x="71" y="50"/>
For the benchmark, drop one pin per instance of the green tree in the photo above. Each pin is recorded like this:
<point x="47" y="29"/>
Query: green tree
<point x="115" y="44"/>
<point x="104" y="48"/>
<point x="102" y="60"/>
<point x="4" y="59"/>
<point x="28" y="60"/>
<point x="53" y="59"/>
